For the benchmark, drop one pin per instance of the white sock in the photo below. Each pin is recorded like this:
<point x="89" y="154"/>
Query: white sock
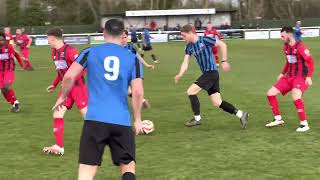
<point x="278" y="117"/>
<point x="239" y="114"/>
<point x="197" y="117"/>
<point x="144" y="100"/>
<point x="15" y="102"/>
<point x="305" y="123"/>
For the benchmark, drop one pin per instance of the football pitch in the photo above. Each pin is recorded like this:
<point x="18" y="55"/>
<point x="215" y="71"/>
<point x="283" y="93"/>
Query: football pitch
<point x="218" y="149"/>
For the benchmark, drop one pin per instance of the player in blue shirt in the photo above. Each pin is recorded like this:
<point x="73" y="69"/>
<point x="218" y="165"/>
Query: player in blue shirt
<point x="146" y="40"/>
<point x="111" y="69"/>
<point x="201" y="48"/>
<point x="297" y="31"/>
<point x="131" y="48"/>
<point x="134" y="37"/>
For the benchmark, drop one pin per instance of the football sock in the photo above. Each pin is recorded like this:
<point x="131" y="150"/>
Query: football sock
<point x="305" y="123"/>
<point x="144" y="100"/>
<point x="9" y="95"/>
<point x="197" y="117"/>
<point x="227" y="107"/>
<point x="300" y="109"/>
<point x="239" y="113"/>
<point x="58" y="128"/>
<point x="6" y="95"/>
<point x="28" y="64"/>
<point x="12" y="96"/>
<point x="153" y="57"/>
<point x="278" y="117"/>
<point x="128" y="176"/>
<point x="195" y="104"/>
<point x="274" y="106"/>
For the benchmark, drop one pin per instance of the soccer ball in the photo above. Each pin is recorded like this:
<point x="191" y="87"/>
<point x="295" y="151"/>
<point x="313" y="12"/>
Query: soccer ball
<point x="147" y="126"/>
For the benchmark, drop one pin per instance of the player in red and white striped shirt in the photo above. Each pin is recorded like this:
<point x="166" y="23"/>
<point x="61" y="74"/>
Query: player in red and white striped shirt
<point x="24" y="42"/>
<point x="7" y="67"/>
<point x="295" y="77"/>
<point x="63" y="55"/>
<point x="212" y="32"/>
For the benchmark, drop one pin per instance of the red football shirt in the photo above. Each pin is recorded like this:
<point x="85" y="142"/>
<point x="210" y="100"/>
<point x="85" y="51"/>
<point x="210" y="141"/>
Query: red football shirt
<point x="212" y="33"/>
<point x="9" y="37"/>
<point x="63" y="58"/>
<point x="299" y="61"/>
<point x="22" y="40"/>
<point x="6" y="58"/>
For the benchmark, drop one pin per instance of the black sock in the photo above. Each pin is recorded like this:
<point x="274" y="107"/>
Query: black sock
<point x="227" y="107"/>
<point x="153" y="57"/>
<point x="142" y="55"/>
<point x="195" y="104"/>
<point x="128" y="176"/>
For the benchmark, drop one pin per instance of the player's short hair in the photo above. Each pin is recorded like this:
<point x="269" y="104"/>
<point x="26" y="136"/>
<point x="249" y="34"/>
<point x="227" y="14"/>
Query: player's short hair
<point x="287" y="29"/>
<point x="114" y="27"/>
<point x="126" y="32"/>
<point x="56" y="32"/>
<point x="187" y="28"/>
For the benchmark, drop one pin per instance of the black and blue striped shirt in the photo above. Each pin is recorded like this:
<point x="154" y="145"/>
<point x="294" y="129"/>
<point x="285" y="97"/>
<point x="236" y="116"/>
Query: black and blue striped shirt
<point x="202" y="50"/>
<point x="131" y="48"/>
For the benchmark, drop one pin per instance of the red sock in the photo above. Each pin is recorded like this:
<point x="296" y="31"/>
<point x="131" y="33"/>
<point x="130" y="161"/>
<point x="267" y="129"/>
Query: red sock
<point x="9" y="96"/>
<point x="58" y="128"/>
<point x="12" y="96"/>
<point x="300" y="109"/>
<point x="274" y="105"/>
<point x="28" y="64"/>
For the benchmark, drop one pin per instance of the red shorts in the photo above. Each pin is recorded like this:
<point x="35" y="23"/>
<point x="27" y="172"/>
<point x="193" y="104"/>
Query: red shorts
<point x="286" y="84"/>
<point x="77" y="95"/>
<point x="25" y="52"/>
<point x="6" y="78"/>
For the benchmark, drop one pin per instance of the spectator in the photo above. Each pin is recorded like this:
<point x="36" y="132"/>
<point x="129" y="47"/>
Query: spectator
<point x="297" y="31"/>
<point x="178" y="27"/>
<point x="198" y="24"/>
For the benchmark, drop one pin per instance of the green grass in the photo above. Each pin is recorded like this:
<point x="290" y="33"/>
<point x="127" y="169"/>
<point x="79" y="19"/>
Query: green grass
<point x="218" y="149"/>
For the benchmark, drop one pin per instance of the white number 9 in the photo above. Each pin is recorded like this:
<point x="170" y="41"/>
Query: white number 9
<point x="112" y="71"/>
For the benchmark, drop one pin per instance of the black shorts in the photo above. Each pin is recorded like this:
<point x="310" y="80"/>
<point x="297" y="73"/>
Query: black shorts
<point x="147" y="47"/>
<point x="134" y="40"/>
<point x="96" y="135"/>
<point x="209" y="81"/>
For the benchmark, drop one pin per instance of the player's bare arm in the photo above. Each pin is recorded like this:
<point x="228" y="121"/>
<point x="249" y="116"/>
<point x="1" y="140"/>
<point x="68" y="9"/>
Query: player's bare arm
<point x="137" y="97"/>
<point x="67" y="83"/>
<point x="53" y="86"/>
<point x="223" y="49"/>
<point x="30" y="41"/>
<point x="183" y="68"/>
<point x="144" y="62"/>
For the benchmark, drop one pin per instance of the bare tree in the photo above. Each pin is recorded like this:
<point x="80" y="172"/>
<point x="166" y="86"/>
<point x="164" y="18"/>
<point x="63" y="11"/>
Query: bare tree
<point x="3" y="12"/>
<point x="151" y="4"/>
<point x="93" y="10"/>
